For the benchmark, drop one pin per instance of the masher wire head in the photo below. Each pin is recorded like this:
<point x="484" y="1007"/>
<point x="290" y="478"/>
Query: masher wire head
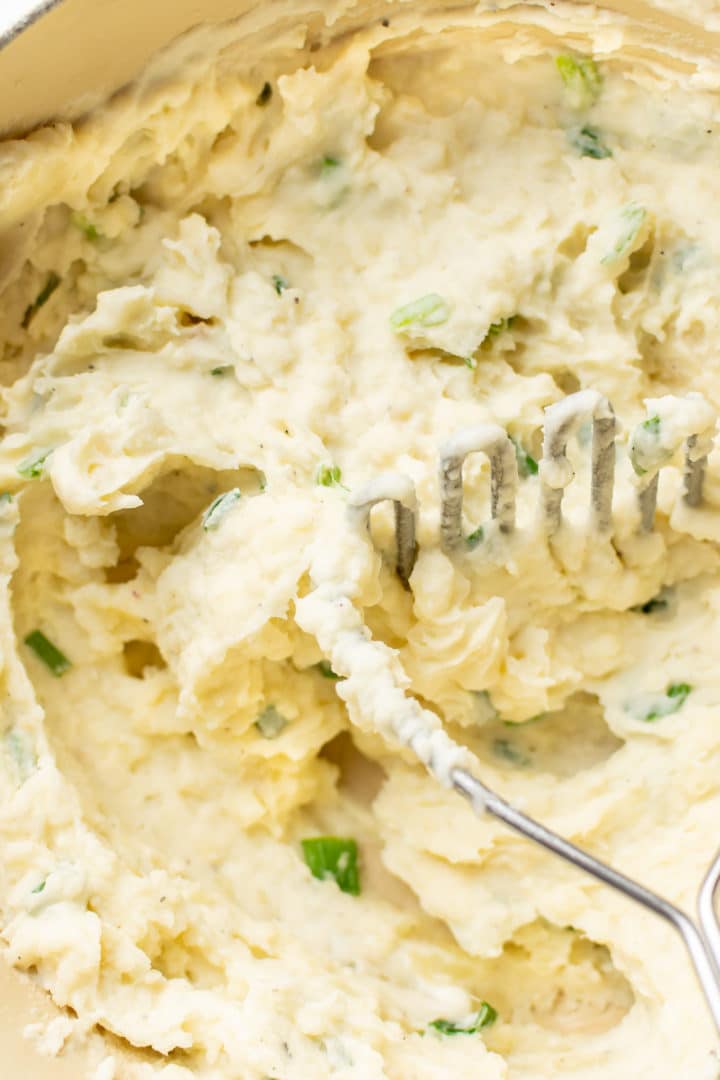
<point x="651" y="446"/>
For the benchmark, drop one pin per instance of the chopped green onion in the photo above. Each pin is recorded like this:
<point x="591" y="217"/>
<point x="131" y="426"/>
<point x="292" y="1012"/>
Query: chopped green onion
<point x="50" y="655"/>
<point x="471" y="362"/>
<point x="631" y="219"/>
<point x="589" y="143"/>
<point x="270" y="723"/>
<point x="476" y="537"/>
<point x="91" y="231"/>
<point x="328" y="164"/>
<point x="328" y="475"/>
<point x="51" y="283"/>
<point x="280" y="283"/>
<point x="39" y="888"/>
<point x="5" y="497"/>
<point x="336" y="858"/>
<point x="582" y="81"/>
<point x="218" y="508"/>
<point x="505" y="749"/>
<point x="485" y="1016"/>
<point x="326" y="670"/>
<point x="265" y="94"/>
<point x="499" y="327"/>
<point x="644" y="449"/>
<point x="485" y="706"/>
<point x="527" y="465"/>
<point x="661" y="602"/>
<point x="675" y="697"/>
<point x="221" y="371"/>
<point x="33" y="465"/>
<point x="429" y="310"/>
<point x="22" y="750"/>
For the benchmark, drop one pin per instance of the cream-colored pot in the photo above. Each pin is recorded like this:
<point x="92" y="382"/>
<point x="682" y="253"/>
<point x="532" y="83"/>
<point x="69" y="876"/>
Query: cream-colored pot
<point x="67" y="57"/>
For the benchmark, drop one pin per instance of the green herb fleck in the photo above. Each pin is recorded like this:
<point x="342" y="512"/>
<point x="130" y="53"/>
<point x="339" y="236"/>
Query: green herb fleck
<point x="50" y="655"/>
<point x="661" y="602"/>
<point x="22" y="750"/>
<point x="471" y="362"/>
<point x="527" y="465"/>
<point x="328" y="164"/>
<point x="280" y="283"/>
<point x="220" y="372"/>
<point x="675" y="697"/>
<point x="33" y="465"/>
<point x="86" y="227"/>
<point x="51" y="283"/>
<point x="589" y="143"/>
<point x="505" y="749"/>
<point x="336" y="858"/>
<point x="475" y="537"/>
<point x="631" y="219"/>
<point x="218" y="508"/>
<point x="265" y="95"/>
<point x="328" y="475"/>
<point x="643" y="445"/>
<point x="270" y="723"/>
<point x="485" y="706"/>
<point x="484" y="1017"/>
<point x="39" y="888"/>
<point x="500" y="327"/>
<point x="429" y="310"/>
<point x="5" y="497"/>
<point x="581" y="78"/>
<point x="326" y="670"/>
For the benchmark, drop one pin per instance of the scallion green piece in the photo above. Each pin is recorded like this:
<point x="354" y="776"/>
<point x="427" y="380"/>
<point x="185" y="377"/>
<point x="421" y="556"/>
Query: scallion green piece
<point x="588" y="142"/>
<point x="661" y="602"/>
<point x="326" y="670"/>
<point x="270" y="723"/>
<point x="39" y="888"/>
<point x="582" y="81"/>
<point x="630" y="220"/>
<point x="328" y="475"/>
<point x="50" y="655"/>
<point x="336" y="858"/>
<point x="265" y="95"/>
<point x="280" y="283"/>
<point x="218" y="508"/>
<point x="51" y="283"/>
<point x="527" y="465"/>
<point x="429" y="310"/>
<point x="505" y="749"/>
<point x="86" y="227"/>
<point x="484" y="1017"/>
<point x="475" y="537"/>
<point x="500" y="327"/>
<point x="671" y="702"/>
<point x="33" y="465"/>
<point x="221" y="371"/>
<point x="329" y="163"/>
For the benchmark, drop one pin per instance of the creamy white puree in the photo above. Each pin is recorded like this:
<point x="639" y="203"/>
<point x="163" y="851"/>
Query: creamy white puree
<point x="232" y="275"/>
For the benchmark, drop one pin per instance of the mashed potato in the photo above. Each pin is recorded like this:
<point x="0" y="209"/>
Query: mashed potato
<point x="229" y="301"/>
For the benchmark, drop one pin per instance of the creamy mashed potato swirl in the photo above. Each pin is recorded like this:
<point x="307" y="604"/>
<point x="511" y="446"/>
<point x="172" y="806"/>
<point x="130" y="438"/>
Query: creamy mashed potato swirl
<point x="230" y="298"/>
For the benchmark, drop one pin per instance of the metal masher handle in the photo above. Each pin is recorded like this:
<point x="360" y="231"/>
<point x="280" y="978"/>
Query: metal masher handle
<point x="703" y="944"/>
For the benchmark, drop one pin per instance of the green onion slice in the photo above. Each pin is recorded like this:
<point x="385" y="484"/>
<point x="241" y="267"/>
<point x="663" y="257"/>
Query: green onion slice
<point x="484" y="1017"/>
<point x="218" y="508"/>
<point x="336" y="858"/>
<point x="270" y="723"/>
<point x="49" y="654"/>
